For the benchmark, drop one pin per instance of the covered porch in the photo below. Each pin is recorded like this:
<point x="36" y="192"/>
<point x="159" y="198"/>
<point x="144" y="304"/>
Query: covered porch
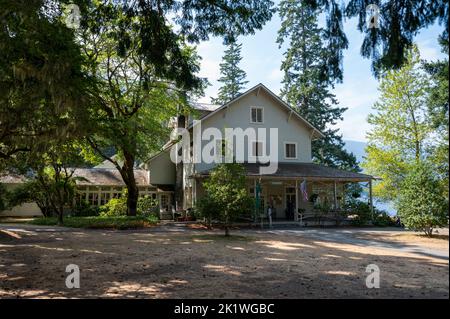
<point x="303" y="193"/>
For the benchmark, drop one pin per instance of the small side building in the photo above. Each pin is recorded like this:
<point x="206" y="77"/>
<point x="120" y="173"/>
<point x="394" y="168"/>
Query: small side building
<point x="96" y="186"/>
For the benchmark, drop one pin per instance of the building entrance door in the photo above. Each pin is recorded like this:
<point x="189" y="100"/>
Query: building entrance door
<point x="275" y="198"/>
<point x="290" y="203"/>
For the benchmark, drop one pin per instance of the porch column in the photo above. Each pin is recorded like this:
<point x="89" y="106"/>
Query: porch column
<point x="371" y="198"/>
<point x="296" y="201"/>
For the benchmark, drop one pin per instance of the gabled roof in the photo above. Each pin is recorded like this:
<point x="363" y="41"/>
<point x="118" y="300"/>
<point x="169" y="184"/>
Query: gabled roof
<point x="277" y="98"/>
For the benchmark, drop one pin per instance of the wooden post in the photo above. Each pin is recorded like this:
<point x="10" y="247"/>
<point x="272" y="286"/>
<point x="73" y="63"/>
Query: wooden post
<point x="296" y="201"/>
<point x="371" y="198"/>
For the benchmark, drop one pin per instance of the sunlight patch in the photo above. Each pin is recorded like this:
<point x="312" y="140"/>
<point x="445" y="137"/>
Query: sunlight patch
<point x="284" y="246"/>
<point x="223" y="269"/>
<point x="339" y="272"/>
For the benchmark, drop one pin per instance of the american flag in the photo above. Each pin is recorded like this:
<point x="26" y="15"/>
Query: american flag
<point x="304" y="191"/>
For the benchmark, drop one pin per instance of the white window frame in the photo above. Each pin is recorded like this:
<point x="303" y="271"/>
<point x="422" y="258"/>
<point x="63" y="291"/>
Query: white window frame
<point x="262" y="114"/>
<point x="263" y="145"/>
<point x="284" y="151"/>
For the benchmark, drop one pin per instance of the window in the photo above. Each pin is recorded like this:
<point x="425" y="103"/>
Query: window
<point x="290" y="150"/>
<point x="256" y="115"/>
<point x="257" y="149"/>
<point x="104" y="198"/>
<point x="93" y="199"/>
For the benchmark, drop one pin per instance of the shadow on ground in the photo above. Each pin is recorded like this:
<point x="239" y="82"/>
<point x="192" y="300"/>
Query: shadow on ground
<point x="204" y="264"/>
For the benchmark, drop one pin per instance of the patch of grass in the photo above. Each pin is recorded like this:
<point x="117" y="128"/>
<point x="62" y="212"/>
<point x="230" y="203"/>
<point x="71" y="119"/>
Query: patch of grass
<point x="15" y="220"/>
<point x="97" y="222"/>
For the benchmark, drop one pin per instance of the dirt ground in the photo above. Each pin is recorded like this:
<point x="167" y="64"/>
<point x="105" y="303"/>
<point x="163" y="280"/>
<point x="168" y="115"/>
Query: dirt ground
<point x="177" y="262"/>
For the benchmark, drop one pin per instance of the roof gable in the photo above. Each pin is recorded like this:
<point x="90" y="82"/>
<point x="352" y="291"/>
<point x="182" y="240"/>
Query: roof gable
<point x="315" y="132"/>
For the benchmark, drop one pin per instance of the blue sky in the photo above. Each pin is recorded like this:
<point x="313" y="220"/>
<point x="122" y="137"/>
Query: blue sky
<point x="262" y="60"/>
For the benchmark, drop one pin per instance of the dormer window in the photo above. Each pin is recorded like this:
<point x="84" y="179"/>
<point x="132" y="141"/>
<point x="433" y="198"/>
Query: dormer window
<point x="256" y="114"/>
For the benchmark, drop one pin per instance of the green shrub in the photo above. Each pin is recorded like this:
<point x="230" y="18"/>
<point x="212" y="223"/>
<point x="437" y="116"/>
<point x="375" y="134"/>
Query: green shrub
<point x="115" y="207"/>
<point x="382" y="219"/>
<point x="98" y="222"/>
<point x="83" y="209"/>
<point x="422" y="205"/>
<point x="361" y="211"/>
<point x="3" y="195"/>
<point x="321" y="210"/>
<point x="207" y="209"/>
<point x="363" y="215"/>
<point x="147" y="206"/>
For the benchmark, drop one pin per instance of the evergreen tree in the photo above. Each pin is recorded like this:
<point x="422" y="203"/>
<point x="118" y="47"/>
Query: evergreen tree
<point x="233" y="78"/>
<point x="386" y="44"/>
<point x="307" y="81"/>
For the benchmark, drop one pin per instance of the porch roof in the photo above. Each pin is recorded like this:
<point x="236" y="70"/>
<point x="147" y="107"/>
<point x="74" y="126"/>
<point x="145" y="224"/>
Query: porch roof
<point x="308" y="171"/>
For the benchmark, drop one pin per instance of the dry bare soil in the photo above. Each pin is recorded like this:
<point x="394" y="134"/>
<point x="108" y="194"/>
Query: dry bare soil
<point x="176" y="262"/>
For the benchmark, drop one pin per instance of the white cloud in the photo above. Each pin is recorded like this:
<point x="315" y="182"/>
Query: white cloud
<point x="357" y="96"/>
<point x="429" y="51"/>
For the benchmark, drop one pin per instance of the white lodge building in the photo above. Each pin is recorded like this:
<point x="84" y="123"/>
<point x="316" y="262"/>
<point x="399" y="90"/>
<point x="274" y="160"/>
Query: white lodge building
<point x="292" y="188"/>
<point x="258" y="108"/>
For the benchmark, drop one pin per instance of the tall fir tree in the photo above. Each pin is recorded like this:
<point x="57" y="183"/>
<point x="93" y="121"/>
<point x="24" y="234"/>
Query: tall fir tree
<point x="307" y="81"/>
<point x="232" y="77"/>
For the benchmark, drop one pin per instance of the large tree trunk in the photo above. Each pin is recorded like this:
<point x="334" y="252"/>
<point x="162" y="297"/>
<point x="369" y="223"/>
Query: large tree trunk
<point x="127" y="172"/>
<point x="133" y="194"/>
<point x="60" y="216"/>
<point x="227" y="226"/>
<point x="58" y="210"/>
